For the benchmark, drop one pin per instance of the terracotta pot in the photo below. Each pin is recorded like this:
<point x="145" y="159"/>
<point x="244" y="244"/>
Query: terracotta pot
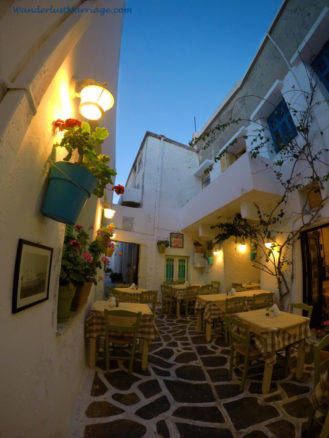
<point x="81" y="296"/>
<point x="65" y="297"/>
<point x="199" y="249"/>
<point x="109" y="252"/>
<point x="161" y="249"/>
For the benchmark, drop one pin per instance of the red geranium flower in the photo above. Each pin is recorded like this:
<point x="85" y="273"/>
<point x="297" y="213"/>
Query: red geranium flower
<point x="59" y="123"/>
<point x="120" y="254"/>
<point x="70" y="123"/>
<point x="119" y="189"/>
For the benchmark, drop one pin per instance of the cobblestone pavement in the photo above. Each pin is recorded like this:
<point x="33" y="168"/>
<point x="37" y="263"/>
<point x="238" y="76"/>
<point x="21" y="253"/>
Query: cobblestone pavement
<point x="186" y="393"/>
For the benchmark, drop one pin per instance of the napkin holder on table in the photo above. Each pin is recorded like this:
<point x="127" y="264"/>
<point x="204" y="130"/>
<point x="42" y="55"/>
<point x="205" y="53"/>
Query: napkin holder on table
<point x="133" y="286"/>
<point x="231" y="292"/>
<point x="274" y="310"/>
<point x="112" y="302"/>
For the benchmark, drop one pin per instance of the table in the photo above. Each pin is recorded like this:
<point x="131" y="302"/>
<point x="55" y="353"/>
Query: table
<point x="94" y="327"/>
<point x="210" y="307"/>
<point x="251" y="285"/>
<point x="134" y="294"/>
<point x="180" y="293"/>
<point x="274" y="334"/>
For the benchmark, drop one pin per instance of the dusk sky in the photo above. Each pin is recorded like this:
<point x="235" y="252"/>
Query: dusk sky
<point x="179" y="60"/>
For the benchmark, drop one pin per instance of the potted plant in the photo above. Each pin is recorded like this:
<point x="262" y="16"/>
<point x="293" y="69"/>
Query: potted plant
<point x="104" y="236"/>
<point x="253" y="250"/>
<point x="71" y="184"/>
<point x="80" y="262"/>
<point x="162" y="245"/>
<point x="198" y="246"/>
<point x="209" y="257"/>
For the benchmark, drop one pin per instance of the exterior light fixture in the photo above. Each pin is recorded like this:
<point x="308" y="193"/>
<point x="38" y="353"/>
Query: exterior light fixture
<point x="242" y="247"/>
<point x="216" y="252"/>
<point x="109" y="213"/>
<point x="268" y="245"/>
<point x="95" y="99"/>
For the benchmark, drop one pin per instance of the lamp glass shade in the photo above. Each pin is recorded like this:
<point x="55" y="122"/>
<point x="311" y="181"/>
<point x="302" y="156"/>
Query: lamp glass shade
<point x="94" y="101"/>
<point x="268" y="245"/>
<point x="109" y="213"/>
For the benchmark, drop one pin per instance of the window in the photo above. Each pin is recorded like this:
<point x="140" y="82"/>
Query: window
<point x="321" y="65"/>
<point x="205" y="181"/>
<point x="176" y="268"/>
<point x="281" y="126"/>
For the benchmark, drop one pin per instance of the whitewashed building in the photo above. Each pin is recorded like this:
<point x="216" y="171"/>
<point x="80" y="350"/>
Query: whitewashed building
<point x="45" y="47"/>
<point x="170" y="192"/>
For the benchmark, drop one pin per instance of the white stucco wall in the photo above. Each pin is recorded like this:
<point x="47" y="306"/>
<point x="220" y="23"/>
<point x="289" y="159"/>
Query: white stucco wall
<point x="40" y="371"/>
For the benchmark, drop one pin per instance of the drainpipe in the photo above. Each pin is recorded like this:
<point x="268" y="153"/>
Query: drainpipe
<point x="157" y="208"/>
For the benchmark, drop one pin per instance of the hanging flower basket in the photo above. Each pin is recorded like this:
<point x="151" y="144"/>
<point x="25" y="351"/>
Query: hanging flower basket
<point x="109" y="252"/>
<point x="65" y="297"/>
<point x="162" y="245"/>
<point x="68" y="189"/>
<point x="81" y="296"/>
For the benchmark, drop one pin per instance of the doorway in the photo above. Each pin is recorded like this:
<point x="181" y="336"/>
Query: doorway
<point x="123" y="267"/>
<point x="315" y="252"/>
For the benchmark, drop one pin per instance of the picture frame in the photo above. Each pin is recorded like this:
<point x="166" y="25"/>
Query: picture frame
<point x="32" y="275"/>
<point x="176" y="240"/>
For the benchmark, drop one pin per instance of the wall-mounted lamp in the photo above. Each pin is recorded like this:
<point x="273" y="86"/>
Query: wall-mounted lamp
<point x="242" y="247"/>
<point x="268" y="245"/>
<point x="108" y="212"/>
<point x="95" y="99"/>
<point x="217" y="252"/>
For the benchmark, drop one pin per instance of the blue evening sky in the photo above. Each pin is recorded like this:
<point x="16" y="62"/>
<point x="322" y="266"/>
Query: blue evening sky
<point x="179" y="59"/>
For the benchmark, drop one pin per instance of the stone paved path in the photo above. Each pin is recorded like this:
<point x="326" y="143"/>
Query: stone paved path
<point x="186" y="393"/>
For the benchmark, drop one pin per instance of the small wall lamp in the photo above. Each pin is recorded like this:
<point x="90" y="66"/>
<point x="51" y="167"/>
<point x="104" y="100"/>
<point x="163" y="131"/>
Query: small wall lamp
<point x="268" y="245"/>
<point x="95" y="99"/>
<point x="108" y="212"/>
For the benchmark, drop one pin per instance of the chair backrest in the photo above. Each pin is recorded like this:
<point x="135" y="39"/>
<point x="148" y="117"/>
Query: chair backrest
<point x="122" y="285"/>
<point x="109" y="291"/>
<point x="191" y="292"/>
<point x="121" y="322"/>
<point x="238" y="287"/>
<point x="206" y="289"/>
<point x="150" y="297"/>
<point x="126" y="296"/>
<point x="235" y="304"/>
<point x="320" y="366"/>
<point x="303" y="307"/>
<point x="261" y="301"/>
<point x="215" y="286"/>
<point x="239" y="333"/>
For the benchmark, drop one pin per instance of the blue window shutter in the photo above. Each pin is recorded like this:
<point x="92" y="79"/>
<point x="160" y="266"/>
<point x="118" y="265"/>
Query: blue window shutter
<point x="281" y="126"/>
<point x="321" y="65"/>
<point x="181" y="269"/>
<point x="169" y="269"/>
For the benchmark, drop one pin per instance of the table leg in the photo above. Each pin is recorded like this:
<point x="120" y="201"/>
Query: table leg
<point x="208" y="331"/>
<point x="199" y="321"/>
<point x="267" y="378"/>
<point x="91" y="352"/>
<point x="145" y="354"/>
<point x="300" y="360"/>
<point x="178" y="309"/>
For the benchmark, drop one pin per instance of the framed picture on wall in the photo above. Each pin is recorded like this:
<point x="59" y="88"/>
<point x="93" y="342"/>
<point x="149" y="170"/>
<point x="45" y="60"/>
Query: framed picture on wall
<point x="32" y="273"/>
<point x="176" y="240"/>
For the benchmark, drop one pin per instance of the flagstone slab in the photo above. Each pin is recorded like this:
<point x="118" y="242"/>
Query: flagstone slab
<point x="256" y="387"/>
<point x="149" y="388"/>
<point x="200" y="339"/>
<point x="161" y="372"/>
<point x="160" y="362"/>
<point x="256" y="434"/>
<point x="126" y="399"/>
<point x="172" y="344"/>
<point x="182" y="338"/>
<point x="102" y="409"/>
<point x="214" y="361"/>
<point x="247" y="411"/>
<point x="191" y="372"/>
<point x="228" y="390"/>
<point x="153" y="409"/>
<point x="186" y="357"/>
<point x="282" y="429"/>
<point x="121" y="380"/>
<point x="210" y="414"/>
<point x="203" y="350"/>
<point x="115" y="429"/>
<point x="155" y="346"/>
<point x="184" y="392"/>
<point x="165" y="353"/>
<point x="189" y="431"/>
<point x="291" y="389"/>
<point x="299" y="408"/>
<point x="219" y="375"/>
<point x="98" y="387"/>
<point x="162" y="429"/>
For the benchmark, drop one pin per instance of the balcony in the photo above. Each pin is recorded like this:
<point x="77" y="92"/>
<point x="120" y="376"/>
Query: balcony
<point x="244" y="181"/>
<point x="132" y="197"/>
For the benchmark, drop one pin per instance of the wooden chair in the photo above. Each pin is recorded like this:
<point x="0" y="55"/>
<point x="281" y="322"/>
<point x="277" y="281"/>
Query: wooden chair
<point x="126" y="297"/>
<point x="238" y="287"/>
<point x="122" y="285"/>
<point x="215" y="286"/>
<point x="150" y="297"/>
<point x="121" y="328"/>
<point x="321" y="364"/>
<point x="261" y="301"/>
<point x="241" y="345"/>
<point x="189" y="299"/>
<point x="232" y="305"/>
<point x="206" y="289"/>
<point x="168" y="300"/>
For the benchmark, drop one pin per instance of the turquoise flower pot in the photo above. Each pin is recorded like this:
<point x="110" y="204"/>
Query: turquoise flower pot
<point x="68" y="189"/>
